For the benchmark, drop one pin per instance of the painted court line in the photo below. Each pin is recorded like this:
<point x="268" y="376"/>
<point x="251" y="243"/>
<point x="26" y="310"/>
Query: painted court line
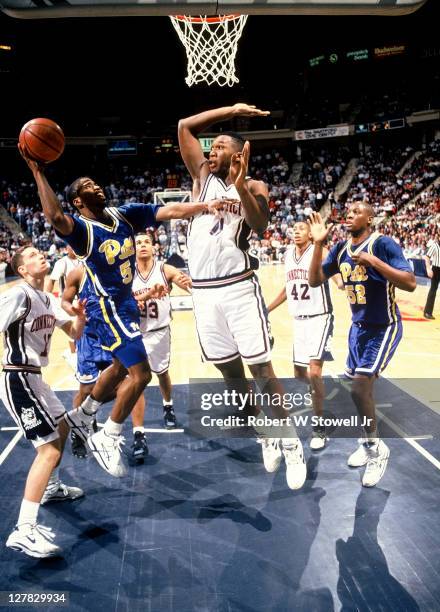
<point x="10" y="446"/>
<point x="411" y="441"/>
<point x="9" y="428"/>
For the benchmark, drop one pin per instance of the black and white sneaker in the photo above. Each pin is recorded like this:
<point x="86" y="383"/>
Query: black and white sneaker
<point x="169" y="418"/>
<point x="139" y="448"/>
<point x="34" y="540"/>
<point x="107" y="450"/>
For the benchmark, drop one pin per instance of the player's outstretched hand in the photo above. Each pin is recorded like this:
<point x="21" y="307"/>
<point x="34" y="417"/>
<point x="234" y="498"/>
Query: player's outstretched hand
<point x="157" y="292"/>
<point x="79" y="308"/>
<point x="33" y="165"/>
<point x="239" y="166"/>
<point x="183" y="281"/>
<point x="317" y="227"/>
<point x="249" y="110"/>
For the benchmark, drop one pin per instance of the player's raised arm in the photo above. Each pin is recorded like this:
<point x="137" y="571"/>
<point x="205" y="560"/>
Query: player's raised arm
<point x="254" y="195"/>
<point x="190" y="127"/>
<point x="319" y="233"/>
<point x="52" y="208"/>
<point x="73" y="282"/>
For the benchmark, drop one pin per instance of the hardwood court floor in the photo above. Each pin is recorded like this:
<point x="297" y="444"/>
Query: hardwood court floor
<point x="418" y="356"/>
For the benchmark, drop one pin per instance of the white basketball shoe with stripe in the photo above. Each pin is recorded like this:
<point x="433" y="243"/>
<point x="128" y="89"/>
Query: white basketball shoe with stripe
<point x="34" y="540"/>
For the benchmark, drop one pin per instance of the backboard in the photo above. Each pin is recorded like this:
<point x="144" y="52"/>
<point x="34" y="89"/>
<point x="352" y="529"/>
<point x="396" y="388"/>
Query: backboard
<point x="35" y="9"/>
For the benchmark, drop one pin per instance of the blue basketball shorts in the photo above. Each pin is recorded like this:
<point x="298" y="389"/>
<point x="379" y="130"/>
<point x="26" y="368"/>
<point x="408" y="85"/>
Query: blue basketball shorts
<point x="117" y="326"/>
<point x="370" y="347"/>
<point x="91" y="357"/>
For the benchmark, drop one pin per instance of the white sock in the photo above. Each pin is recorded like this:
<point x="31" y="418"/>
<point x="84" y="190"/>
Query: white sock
<point x="28" y="513"/>
<point x="54" y="480"/>
<point x="90" y="406"/>
<point x="111" y="428"/>
<point x="170" y="403"/>
<point x="141" y="429"/>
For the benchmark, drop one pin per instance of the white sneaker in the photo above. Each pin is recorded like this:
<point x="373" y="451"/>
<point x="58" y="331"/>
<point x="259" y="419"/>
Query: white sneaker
<point x="61" y="493"/>
<point x="34" y="540"/>
<point x="296" y="469"/>
<point x="378" y="455"/>
<point x="318" y="440"/>
<point x="360" y="456"/>
<point x="271" y="453"/>
<point x="80" y="422"/>
<point x="107" y="452"/>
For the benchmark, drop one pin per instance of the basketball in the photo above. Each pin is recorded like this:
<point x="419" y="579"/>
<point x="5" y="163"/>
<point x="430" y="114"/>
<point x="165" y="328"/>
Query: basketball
<point x="43" y="140"/>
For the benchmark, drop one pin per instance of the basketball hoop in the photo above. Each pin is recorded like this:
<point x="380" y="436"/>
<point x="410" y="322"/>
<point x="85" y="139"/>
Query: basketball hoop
<point x="211" y="47"/>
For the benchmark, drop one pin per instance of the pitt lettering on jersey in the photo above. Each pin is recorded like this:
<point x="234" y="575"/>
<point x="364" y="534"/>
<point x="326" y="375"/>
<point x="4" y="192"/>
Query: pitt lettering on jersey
<point x="46" y="321"/>
<point x="112" y="248"/>
<point x="297" y="273"/>
<point x="356" y="274"/>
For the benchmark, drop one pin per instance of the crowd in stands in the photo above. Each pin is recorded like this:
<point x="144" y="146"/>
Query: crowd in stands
<point x="295" y="190"/>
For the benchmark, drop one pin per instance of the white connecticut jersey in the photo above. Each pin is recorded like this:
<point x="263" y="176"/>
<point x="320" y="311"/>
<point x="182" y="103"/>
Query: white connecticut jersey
<point x="302" y="299"/>
<point x="61" y="269"/>
<point x="28" y="318"/>
<point x="218" y="247"/>
<point x="157" y="313"/>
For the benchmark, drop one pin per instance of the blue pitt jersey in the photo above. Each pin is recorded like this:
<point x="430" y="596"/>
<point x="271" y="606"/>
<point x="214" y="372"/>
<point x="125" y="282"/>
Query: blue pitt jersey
<point x="107" y="250"/>
<point x="370" y="295"/>
<point x="86" y="292"/>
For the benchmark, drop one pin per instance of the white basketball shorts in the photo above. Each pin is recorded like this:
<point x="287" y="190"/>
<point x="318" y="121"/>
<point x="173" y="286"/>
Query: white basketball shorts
<point x="157" y="344"/>
<point x="312" y="338"/>
<point x="32" y="404"/>
<point x="231" y="322"/>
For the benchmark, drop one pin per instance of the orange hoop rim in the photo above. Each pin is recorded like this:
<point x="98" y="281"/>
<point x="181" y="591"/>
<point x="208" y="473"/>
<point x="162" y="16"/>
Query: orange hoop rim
<point x="199" y="19"/>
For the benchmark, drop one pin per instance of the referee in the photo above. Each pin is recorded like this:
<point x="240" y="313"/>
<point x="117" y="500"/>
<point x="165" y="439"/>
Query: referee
<point x="432" y="260"/>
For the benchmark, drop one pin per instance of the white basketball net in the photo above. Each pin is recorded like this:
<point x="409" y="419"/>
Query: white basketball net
<point x="211" y="47"/>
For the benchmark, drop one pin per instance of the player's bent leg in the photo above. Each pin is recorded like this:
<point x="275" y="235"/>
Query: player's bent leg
<point x="29" y="537"/>
<point x="106" y="444"/>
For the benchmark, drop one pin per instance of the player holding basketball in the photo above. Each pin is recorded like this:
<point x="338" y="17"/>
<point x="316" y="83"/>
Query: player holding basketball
<point x="228" y="304"/>
<point x="371" y="266"/>
<point x="156" y="334"/>
<point x="28" y="317"/>
<point x="103" y="239"/>
<point x="313" y="317"/>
